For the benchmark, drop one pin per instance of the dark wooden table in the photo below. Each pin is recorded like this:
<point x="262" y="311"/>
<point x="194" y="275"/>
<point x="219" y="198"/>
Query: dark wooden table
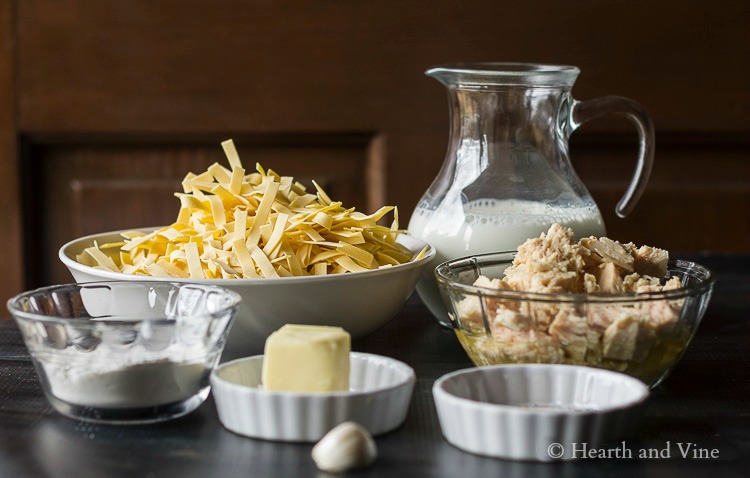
<point x="705" y="402"/>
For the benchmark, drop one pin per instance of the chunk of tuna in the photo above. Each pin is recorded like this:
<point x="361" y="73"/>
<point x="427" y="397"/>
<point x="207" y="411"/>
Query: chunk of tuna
<point x="511" y="319"/>
<point x="483" y="281"/>
<point x="628" y="338"/>
<point x="632" y="282"/>
<point x="608" y="278"/>
<point x="544" y="349"/>
<point x="651" y="261"/>
<point x="572" y="332"/>
<point x="469" y="310"/>
<point x="610" y="251"/>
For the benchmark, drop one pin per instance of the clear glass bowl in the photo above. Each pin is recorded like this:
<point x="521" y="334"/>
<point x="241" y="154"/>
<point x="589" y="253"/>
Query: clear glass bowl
<point x="643" y="335"/>
<point x="125" y="352"/>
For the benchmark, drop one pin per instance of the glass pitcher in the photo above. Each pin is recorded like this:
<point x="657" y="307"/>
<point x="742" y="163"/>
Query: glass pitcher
<point x="507" y="175"/>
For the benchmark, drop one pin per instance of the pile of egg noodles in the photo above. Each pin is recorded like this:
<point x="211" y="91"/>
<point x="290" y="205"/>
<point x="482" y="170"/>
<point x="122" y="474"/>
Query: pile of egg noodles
<point x="234" y="224"/>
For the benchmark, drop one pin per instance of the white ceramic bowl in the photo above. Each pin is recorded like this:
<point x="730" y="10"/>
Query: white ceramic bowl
<point x="359" y="302"/>
<point x="378" y="399"/>
<point x="537" y="412"/>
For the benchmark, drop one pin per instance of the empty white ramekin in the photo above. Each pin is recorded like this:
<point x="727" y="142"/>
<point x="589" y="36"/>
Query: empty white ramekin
<point x="378" y="399"/>
<point x="537" y="412"/>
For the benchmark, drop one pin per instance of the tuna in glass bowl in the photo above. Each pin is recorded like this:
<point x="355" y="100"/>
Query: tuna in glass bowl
<point x="640" y="334"/>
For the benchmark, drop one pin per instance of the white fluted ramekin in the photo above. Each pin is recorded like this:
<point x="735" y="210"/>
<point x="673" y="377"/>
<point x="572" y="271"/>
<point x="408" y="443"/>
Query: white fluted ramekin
<point x="537" y="412"/>
<point x="378" y="399"/>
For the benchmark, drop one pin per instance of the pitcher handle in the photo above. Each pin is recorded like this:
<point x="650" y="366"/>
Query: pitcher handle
<point x="583" y="111"/>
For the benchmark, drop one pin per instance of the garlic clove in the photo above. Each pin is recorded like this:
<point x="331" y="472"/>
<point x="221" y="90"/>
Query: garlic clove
<point x="347" y="446"/>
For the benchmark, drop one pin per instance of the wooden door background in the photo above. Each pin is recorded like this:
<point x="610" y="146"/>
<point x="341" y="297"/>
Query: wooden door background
<point x="105" y="105"/>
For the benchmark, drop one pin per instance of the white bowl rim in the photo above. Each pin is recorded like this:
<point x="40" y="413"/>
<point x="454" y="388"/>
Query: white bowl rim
<point x="439" y="390"/>
<point x="71" y="263"/>
<point x="408" y="376"/>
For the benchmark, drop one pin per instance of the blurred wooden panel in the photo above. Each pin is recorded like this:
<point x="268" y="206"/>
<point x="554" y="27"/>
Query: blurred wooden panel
<point x="11" y="261"/>
<point x="121" y="98"/>
<point x="83" y="189"/>
<point x="713" y="219"/>
<point x="236" y="65"/>
<point x="698" y="198"/>
<point x="138" y="63"/>
<point x="99" y="205"/>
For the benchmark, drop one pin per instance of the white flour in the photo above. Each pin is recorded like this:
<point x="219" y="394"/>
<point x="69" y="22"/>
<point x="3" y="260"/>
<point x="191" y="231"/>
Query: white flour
<point x="109" y="379"/>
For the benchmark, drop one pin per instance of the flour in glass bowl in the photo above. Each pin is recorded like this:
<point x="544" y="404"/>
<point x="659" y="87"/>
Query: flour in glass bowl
<point x="107" y="379"/>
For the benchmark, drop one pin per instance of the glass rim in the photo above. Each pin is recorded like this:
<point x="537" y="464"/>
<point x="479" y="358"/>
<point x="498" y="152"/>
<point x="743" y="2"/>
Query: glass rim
<point x="14" y="303"/>
<point x="504" y="73"/>
<point x="496" y="258"/>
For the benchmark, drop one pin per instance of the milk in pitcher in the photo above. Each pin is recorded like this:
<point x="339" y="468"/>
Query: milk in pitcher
<point x="491" y="225"/>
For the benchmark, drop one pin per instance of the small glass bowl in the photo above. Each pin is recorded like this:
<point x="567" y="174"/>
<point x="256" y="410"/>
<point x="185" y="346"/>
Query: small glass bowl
<point x="642" y="335"/>
<point x="125" y="352"/>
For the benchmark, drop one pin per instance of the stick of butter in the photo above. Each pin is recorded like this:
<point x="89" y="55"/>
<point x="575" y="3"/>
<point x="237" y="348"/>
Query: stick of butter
<point x="307" y="358"/>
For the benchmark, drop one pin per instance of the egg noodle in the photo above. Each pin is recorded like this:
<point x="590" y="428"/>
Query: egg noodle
<point x="237" y="225"/>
